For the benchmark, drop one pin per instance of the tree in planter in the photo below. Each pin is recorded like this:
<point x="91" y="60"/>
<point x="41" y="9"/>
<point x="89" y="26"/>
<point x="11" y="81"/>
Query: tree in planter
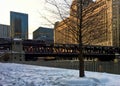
<point x="86" y="25"/>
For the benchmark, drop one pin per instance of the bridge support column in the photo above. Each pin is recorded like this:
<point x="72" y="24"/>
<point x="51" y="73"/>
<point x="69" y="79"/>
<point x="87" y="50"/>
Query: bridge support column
<point x="17" y="53"/>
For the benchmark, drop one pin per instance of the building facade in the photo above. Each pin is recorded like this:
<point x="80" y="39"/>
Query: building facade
<point x="101" y="24"/>
<point x="4" y="31"/>
<point x="114" y="18"/>
<point x="19" y="25"/>
<point x="43" y="33"/>
<point x="65" y="32"/>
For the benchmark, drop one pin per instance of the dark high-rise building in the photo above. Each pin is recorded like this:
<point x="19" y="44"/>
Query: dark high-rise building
<point x="19" y="25"/>
<point x="43" y="33"/>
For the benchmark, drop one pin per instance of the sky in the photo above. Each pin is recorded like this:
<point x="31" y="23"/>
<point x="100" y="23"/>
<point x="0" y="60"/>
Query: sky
<point x="12" y="74"/>
<point x="31" y="7"/>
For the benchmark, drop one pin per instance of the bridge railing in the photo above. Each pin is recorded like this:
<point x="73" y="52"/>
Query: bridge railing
<point x="71" y="49"/>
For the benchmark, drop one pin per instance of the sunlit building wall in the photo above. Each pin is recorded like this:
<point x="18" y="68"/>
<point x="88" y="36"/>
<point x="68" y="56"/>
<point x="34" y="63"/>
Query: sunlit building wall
<point x="63" y="29"/>
<point x="106" y="33"/>
<point x="115" y="19"/>
<point x="19" y="25"/>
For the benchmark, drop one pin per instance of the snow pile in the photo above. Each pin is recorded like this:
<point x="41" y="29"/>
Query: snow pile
<point x="27" y="75"/>
<point x="81" y="82"/>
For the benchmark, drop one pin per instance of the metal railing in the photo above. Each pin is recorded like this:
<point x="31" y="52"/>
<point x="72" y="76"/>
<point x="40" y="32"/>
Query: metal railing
<point x="95" y="66"/>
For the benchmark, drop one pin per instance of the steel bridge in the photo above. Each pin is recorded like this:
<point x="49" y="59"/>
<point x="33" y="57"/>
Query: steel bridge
<point x="71" y="50"/>
<point x="37" y="48"/>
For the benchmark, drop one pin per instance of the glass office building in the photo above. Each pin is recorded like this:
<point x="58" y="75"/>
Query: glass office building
<point x="19" y="25"/>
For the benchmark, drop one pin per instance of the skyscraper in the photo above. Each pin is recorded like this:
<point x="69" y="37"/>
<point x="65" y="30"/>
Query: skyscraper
<point x="4" y="31"/>
<point x="19" y="25"/>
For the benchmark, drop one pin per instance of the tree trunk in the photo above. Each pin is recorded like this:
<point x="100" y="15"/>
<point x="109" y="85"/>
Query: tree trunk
<point x="81" y="59"/>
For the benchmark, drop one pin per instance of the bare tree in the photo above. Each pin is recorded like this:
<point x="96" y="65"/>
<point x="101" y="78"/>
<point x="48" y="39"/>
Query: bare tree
<point x="86" y="24"/>
<point x="94" y="22"/>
